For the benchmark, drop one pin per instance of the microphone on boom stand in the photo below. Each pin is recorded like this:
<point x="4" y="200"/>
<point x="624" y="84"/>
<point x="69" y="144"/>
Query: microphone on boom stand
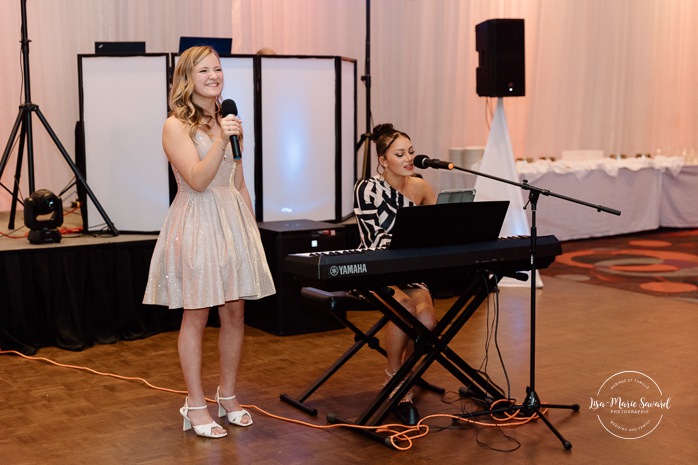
<point x="423" y="161"/>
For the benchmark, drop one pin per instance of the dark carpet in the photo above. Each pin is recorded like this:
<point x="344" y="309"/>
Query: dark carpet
<point x="662" y="263"/>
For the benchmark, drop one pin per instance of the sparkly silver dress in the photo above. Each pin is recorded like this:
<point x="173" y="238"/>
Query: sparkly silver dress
<point x="209" y="250"/>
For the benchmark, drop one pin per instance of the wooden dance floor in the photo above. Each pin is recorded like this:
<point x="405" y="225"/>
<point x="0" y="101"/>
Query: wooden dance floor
<point x="55" y="415"/>
<point x="63" y="415"/>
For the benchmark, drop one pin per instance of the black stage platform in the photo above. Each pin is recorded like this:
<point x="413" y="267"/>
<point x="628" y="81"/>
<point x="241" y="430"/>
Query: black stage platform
<point x="85" y="290"/>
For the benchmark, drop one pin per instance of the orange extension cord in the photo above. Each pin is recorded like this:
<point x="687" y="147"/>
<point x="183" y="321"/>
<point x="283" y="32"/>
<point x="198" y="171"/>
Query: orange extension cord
<point x="401" y="436"/>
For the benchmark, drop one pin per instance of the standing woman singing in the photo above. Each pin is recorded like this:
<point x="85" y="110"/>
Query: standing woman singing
<point x="209" y="252"/>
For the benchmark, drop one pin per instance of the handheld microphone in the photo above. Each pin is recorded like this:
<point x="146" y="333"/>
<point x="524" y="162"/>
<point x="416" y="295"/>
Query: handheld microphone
<point x="422" y="161"/>
<point x="228" y="107"/>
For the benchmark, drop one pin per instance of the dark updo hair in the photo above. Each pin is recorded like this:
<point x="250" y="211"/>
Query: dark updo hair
<point x="384" y="135"/>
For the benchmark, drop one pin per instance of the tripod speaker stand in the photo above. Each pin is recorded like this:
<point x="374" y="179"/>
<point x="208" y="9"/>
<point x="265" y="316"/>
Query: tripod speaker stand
<point x="23" y="129"/>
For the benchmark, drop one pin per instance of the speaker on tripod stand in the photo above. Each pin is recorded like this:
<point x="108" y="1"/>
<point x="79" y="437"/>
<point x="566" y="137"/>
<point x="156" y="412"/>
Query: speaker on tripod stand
<point x="22" y="131"/>
<point x="501" y="67"/>
<point x="500" y="44"/>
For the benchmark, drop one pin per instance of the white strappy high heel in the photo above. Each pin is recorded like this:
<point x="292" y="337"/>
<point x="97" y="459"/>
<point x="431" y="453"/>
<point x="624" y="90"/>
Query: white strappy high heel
<point x="200" y="430"/>
<point x="233" y="417"/>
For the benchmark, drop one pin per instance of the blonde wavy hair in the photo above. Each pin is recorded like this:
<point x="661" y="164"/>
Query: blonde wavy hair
<point x="181" y="105"/>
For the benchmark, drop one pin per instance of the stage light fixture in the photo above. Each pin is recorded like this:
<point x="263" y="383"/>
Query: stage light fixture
<point x="43" y="214"/>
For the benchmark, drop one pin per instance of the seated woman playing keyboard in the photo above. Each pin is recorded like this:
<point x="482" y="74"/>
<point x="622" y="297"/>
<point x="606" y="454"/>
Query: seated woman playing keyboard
<point x="376" y="201"/>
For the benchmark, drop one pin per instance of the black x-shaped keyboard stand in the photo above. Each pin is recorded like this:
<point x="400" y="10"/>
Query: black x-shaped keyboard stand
<point x="430" y="346"/>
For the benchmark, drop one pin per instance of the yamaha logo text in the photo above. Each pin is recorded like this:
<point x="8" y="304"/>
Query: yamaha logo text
<point x="352" y="269"/>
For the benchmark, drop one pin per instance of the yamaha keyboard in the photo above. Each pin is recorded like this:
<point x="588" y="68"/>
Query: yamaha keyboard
<point x="349" y="269"/>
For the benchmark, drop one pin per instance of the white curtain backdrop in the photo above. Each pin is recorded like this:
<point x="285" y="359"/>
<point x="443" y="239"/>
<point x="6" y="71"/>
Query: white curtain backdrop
<point x="616" y="75"/>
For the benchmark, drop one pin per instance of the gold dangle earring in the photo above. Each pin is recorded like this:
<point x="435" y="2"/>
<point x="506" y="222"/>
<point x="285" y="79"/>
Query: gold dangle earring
<point x="378" y="169"/>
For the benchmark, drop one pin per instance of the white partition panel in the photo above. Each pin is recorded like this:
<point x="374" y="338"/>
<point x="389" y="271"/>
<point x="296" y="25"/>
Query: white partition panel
<point x="306" y="135"/>
<point x="299" y="138"/>
<point x="123" y="106"/>
<point x="348" y="142"/>
<point x="239" y="86"/>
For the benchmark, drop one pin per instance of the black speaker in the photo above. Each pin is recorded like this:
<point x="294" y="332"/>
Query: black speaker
<point x="284" y="313"/>
<point x="501" y="68"/>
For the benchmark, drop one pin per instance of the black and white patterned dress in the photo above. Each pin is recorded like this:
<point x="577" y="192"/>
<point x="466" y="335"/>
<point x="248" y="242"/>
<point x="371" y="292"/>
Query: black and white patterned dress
<point x="375" y="206"/>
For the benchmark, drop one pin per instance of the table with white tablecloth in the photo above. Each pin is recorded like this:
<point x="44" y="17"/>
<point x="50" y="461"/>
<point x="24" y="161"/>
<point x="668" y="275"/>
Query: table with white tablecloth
<point x="679" y="206"/>
<point x="649" y="192"/>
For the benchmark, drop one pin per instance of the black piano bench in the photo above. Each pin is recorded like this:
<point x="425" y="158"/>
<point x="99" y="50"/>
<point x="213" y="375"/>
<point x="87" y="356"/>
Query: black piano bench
<point x="338" y="304"/>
